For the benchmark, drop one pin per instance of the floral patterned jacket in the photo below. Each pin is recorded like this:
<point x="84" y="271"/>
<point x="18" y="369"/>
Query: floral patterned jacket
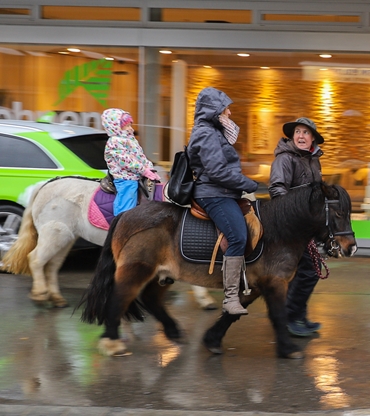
<point x="123" y="154"/>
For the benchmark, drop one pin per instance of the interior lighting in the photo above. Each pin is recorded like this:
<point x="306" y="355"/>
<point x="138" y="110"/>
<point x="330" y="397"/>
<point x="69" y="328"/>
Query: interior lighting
<point x="323" y="69"/>
<point x="207" y="66"/>
<point x="109" y="58"/>
<point x="243" y="54"/>
<point x="165" y="52"/>
<point x="325" y="55"/>
<point x="265" y="67"/>
<point x="73" y="50"/>
<point x="64" y="53"/>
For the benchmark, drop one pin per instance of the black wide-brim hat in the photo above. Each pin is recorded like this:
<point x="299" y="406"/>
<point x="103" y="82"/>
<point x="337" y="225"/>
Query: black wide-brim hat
<point x="288" y="128"/>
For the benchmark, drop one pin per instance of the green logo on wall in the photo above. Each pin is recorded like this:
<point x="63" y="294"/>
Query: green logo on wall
<point x="94" y="76"/>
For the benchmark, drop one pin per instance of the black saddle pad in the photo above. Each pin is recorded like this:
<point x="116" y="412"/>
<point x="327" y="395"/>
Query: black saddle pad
<point x="198" y="239"/>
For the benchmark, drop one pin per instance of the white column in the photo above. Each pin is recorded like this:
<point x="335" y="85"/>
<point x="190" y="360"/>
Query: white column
<point x="178" y="107"/>
<point x="150" y="128"/>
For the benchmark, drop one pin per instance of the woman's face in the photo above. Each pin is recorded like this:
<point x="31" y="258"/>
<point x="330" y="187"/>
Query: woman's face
<point x="226" y="112"/>
<point x="303" y="137"/>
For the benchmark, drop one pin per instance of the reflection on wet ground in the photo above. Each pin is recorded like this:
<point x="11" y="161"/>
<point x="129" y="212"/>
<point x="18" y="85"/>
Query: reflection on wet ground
<point x="49" y="357"/>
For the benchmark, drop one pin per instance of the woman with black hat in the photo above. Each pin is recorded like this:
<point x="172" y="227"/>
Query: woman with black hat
<point x="297" y="163"/>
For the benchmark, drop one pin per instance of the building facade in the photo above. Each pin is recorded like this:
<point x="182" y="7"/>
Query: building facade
<point x="277" y="60"/>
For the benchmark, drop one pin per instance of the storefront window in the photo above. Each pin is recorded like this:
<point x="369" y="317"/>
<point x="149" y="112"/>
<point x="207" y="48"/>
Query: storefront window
<point x="76" y="83"/>
<point x="159" y="88"/>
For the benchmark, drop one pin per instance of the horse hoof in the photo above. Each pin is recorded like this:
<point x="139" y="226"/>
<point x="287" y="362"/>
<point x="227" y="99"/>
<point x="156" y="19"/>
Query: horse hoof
<point x="210" y="307"/>
<point x="60" y="305"/>
<point x="112" y="347"/>
<point x="39" y="297"/>
<point x="295" y="355"/>
<point x="215" y="350"/>
<point x="58" y="301"/>
<point x="207" y="303"/>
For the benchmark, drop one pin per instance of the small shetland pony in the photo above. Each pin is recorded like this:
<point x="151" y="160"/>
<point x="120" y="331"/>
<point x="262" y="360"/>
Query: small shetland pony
<point x="56" y="216"/>
<point x="142" y="248"/>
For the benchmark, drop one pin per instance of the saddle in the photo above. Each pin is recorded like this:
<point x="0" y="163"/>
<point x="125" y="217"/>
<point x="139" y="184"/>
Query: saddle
<point x="107" y="185"/>
<point x="145" y="190"/>
<point x="254" y="227"/>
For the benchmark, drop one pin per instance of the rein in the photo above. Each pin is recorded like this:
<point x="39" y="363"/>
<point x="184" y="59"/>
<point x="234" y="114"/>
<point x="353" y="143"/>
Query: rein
<point x="317" y="258"/>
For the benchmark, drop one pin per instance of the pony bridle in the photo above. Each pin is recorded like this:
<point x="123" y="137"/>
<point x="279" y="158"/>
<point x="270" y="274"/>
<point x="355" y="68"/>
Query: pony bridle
<point x="334" y="246"/>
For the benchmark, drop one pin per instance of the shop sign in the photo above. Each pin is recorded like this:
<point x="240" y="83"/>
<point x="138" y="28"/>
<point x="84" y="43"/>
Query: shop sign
<point x="92" y="119"/>
<point x="338" y="73"/>
<point x="94" y="77"/>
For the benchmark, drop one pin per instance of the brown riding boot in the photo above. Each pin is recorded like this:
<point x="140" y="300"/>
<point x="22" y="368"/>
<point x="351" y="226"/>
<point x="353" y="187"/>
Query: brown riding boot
<point x="232" y="267"/>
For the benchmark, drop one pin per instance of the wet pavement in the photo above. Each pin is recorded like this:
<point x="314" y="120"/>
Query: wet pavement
<point x="49" y="364"/>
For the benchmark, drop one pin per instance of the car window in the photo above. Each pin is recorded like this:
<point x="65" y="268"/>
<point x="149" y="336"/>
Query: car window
<point x="17" y="152"/>
<point x="89" y="148"/>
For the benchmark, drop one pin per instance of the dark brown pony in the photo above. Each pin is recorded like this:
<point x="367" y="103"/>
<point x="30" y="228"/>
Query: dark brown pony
<point x="142" y="248"/>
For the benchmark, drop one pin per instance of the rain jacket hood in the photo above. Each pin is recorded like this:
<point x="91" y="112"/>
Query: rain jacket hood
<point x="113" y="121"/>
<point x="209" y="105"/>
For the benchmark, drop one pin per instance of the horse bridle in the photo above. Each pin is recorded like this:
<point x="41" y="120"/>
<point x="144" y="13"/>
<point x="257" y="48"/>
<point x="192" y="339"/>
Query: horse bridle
<point x="334" y="246"/>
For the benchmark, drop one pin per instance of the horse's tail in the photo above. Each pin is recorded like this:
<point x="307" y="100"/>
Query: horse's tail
<point x="16" y="259"/>
<point x="98" y="292"/>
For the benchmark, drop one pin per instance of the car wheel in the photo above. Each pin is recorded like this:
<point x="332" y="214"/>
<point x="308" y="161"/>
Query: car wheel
<point x="10" y="221"/>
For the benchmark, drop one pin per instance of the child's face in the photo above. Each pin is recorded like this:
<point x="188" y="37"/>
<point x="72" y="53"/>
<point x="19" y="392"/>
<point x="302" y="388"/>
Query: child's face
<point x="129" y="128"/>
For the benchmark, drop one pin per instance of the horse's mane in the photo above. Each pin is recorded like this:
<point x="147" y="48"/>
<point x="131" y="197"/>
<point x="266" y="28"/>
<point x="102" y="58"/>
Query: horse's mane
<point x="299" y="211"/>
<point x="344" y="199"/>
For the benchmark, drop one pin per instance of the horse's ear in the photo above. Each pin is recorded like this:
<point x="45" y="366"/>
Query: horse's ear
<point x="324" y="186"/>
<point x="329" y="191"/>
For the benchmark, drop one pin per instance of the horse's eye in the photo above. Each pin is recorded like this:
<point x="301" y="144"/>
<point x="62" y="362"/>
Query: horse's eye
<point x="339" y="214"/>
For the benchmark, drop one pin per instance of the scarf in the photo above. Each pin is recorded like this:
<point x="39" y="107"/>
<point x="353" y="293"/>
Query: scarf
<point x="231" y="130"/>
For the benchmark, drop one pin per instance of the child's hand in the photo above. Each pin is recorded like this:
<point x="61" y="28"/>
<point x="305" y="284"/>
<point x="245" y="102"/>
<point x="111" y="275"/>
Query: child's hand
<point x="152" y="175"/>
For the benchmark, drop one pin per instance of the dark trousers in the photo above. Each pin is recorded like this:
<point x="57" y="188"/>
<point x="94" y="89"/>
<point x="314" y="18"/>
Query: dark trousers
<point x="228" y="217"/>
<point x="300" y="288"/>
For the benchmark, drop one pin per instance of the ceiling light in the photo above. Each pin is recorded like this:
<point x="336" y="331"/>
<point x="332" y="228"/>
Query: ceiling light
<point x="325" y="55"/>
<point x="108" y="58"/>
<point x="243" y="54"/>
<point x="36" y="53"/>
<point x="165" y="52"/>
<point x="10" y="51"/>
<point x="265" y="67"/>
<point x="323" y="69"/>
<point x="63" y="53"/>
<point x="207" y="66"/>
<point x="122" y="59"/>
<point x="73" y="50"/>
<point x="93" y="55"/>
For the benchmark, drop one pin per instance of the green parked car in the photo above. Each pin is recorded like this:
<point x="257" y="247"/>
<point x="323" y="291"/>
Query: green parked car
<point x="31" y="152"/>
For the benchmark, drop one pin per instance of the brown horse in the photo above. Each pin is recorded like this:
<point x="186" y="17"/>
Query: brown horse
<point x="142" y="248"/>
